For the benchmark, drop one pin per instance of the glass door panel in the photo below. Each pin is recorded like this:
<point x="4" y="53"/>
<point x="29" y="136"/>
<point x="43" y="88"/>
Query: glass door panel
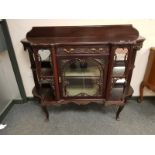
<point x="76" y="69"/>
<point x="82" y="77"/>
<point x="81" y="86"/>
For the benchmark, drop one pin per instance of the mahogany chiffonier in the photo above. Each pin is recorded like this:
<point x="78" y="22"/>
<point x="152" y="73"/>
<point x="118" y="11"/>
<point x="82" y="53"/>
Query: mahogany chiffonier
<point x="149" y="77"/>
<point x="82" y="64"/>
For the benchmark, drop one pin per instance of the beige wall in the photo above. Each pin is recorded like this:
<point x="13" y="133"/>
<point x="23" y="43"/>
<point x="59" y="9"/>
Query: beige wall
<point x="19" y="28"/>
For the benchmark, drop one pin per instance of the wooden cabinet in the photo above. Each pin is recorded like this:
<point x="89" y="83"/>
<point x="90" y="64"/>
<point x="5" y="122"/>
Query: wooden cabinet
<point x="149" y="77"/>
<point x="82" y="64"/>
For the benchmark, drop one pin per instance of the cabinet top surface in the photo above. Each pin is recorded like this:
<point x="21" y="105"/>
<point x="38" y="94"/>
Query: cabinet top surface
<point x="61" y="35"/>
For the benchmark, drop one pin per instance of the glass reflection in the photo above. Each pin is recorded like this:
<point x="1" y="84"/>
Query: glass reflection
<point x="82" y="78"/>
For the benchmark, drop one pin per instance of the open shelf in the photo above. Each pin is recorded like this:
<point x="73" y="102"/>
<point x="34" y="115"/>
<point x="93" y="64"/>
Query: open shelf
<point x="46" y="73"/>
<point x="47" y="91"/>
<point x="119" y="71"/>
<point x="116" y="93"/>
<point x="46" y="70"/>
<point x="120" y="63"/>
<point x="46" y="64"/>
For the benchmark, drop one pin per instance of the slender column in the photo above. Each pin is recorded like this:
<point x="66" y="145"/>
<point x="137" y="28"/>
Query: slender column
<point x="33" y="67"/>
<point x="55" y="72"/>
<point x="110" y="68"/>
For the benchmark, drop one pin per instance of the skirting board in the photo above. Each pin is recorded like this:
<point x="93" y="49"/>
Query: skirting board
<point x="10" y="104"/>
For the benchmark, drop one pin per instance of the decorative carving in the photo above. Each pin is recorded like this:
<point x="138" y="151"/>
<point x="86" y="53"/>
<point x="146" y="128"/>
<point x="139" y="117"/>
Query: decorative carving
<point x="44" y="54"/>
<point x="121" y="54"/>
<point x="86" y="50"/>
<point x="37" y="63"/>
<point x="114" y="80"/>
<point x="69" y="50"/>
<point x="82" y="94"/>
<point x="138" y="45"/>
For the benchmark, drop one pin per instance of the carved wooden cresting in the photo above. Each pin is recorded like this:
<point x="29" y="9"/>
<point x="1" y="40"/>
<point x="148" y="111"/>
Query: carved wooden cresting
<point x="82" y="64"/>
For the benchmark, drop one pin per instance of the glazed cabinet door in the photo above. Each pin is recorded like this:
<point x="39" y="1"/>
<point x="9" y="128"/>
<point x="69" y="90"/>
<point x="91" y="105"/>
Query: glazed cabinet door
<point x="82" y="77"/>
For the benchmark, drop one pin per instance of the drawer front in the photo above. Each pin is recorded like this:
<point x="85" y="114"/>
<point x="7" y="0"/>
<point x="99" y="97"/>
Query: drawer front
<point x="77" y="50"/>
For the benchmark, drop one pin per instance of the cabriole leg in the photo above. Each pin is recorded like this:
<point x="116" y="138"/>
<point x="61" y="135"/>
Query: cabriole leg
<point x="44" y="108"/>
<point x="118" y="111"/>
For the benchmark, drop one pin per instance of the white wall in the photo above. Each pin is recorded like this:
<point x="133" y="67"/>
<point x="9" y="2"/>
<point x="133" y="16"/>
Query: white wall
<point x="19" y="28"/>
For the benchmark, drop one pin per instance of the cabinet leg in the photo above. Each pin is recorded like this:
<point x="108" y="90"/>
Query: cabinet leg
<point x="44" y="108"/>
<point x="119" y="111"/>
<point x="140" y="99"/>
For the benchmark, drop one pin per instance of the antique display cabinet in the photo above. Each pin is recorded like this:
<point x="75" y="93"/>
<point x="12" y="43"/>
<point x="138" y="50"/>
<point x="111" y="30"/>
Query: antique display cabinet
<point x="82" y="64"/>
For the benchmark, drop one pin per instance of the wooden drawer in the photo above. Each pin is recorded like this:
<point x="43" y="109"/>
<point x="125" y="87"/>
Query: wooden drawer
<point x="77" y="50"/>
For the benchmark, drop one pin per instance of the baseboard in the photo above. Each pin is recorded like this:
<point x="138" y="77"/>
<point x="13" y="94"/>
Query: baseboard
<point x="31" y="99"/>
<point x="145" y="98"/>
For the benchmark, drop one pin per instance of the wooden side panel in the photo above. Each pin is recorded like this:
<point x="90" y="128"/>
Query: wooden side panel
<point x="151" y="68"/>
<point x="55" y="73"/>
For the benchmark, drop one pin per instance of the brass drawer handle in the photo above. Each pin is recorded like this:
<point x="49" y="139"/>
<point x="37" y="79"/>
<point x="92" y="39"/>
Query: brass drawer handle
<point x="69" y="50"/>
